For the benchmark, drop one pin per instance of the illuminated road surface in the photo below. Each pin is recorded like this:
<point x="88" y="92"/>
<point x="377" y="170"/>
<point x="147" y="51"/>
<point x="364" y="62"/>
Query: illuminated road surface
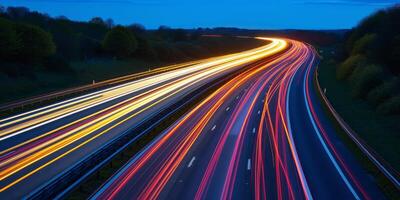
<point x="262" y="135"/>
<point x="42" y="144"/>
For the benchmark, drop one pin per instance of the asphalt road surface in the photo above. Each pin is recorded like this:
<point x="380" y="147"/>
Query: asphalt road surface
<point x="262" y="135"/>
<point x="38" y="146"/>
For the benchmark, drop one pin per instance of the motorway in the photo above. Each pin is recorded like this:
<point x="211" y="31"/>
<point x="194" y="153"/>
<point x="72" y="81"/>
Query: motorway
<point x="41" y="145"/>
<point x="262" y="135"/>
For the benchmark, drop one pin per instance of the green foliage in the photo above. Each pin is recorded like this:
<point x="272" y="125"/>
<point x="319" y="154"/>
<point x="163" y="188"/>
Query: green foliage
<point x="365" y="44"/>
<point x="384" y="91"/>
<point x="395" y="54"/>
<point x="365" y="78"/>
<point x="347" y="67"/>
<point x="10" y="43"/>
<point x="391" y="106"/>
<point x="380" y="132"/>
<point x="28" y="59"/>
<point x="23" y="42"/>
<point x="378" y="37"/>
<point x="137" y="28"/>
<point x="36" y="43"/>
<point x="373" y="49"/>
<point x="120" y="42"/>
<point x="98" y="21"/>
<point x="74" y="40"/>
<point x="145" y="49"/>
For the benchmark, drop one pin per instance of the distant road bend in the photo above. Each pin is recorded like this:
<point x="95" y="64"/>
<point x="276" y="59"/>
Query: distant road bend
<point x="38" y="146"/>
<point x="263" y="134"/>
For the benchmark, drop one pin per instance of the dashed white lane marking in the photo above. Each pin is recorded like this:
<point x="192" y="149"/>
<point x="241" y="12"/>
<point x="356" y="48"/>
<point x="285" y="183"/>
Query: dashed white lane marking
<point x="259" y="112"/>
<point x="237" y="97"/>
<point x="249" y="164"/>
<point x="227" y="109"/>
<point x="254" y="130"/>
<point x="213" y="128"/>
<point x="191" y="162"/>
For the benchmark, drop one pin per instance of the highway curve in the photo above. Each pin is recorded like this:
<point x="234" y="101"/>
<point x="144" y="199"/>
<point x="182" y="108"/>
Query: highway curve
<point x="262" y="135"/>
<point x="43" y="145"/>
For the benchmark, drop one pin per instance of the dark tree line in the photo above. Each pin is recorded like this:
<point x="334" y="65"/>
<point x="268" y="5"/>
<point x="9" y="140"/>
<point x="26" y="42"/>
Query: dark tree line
<point x="63" y="41"/>
<point x="372" y="63"/>
<point x="32" y="38"/>
<point x="24" y="42"/>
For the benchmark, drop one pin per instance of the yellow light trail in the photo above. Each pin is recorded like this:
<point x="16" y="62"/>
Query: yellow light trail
<point x="176" y="82"/>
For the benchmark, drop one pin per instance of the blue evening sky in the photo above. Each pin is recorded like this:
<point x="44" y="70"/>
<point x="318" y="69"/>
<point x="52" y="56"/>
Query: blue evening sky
<point x="254" y="14"/>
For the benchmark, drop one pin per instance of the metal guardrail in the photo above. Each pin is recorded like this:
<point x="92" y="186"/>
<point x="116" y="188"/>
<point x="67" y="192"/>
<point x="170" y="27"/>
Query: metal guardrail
<point x="59" y="186"/>
<point x="390" y="173"/>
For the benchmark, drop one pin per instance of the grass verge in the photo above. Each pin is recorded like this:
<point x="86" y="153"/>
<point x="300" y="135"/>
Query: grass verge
<point x="378" y="131"/>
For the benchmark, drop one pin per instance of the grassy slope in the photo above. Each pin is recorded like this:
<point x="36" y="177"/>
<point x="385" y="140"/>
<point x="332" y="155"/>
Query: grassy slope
<point x="83" y="73"/>
<point x="380" y="132"/>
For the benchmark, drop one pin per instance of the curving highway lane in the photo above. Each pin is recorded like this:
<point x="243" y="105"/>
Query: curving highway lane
<point x="39" y="146"/>
<point x="262" y="135"/>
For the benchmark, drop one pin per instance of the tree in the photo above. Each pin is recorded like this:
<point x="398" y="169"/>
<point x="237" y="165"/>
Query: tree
<point x="365" y="78"/>
<point x="120" y="42"/>
<point x="36" y="43"/>
<point x="137" y="28"/>
<point x="364" y="45"/>
<point x="144" y="49"/>
<point x="17" y="12"/>
<point x="347" y="67"/>
<point x="395" y="55"/>
<point x="98" y="21"/>
<point x="9" y="41"/>
<point x="164" y="32"/>
<point x="384" y="91"/>
<point x="391" y="106"/>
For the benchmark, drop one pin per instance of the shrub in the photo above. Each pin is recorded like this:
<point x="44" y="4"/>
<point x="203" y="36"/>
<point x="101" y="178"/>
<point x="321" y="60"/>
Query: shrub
<point x="390" y="106"/>
<point x="365" y="78"/>
<point x="120" y="42"/>
<point x="395" y="55"/>
<point x="10" y="43"/>
<point x="36" y="43"/>
<point x="384" y="91"/>
<point x="145" y="50"/>
<point x="347" y="67"/>
<point x="364" y="44"/>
